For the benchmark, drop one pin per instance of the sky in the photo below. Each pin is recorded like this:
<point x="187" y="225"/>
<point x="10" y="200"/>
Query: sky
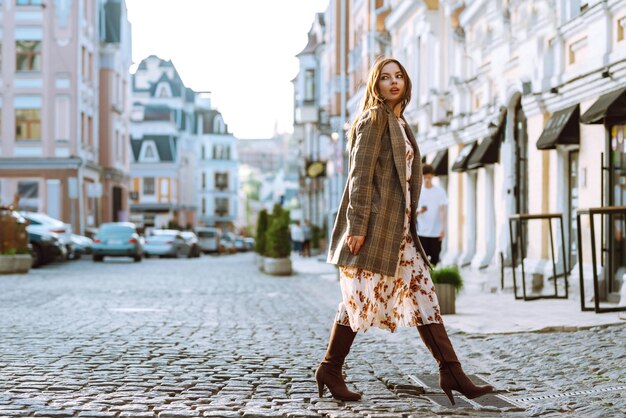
<point x="242" y="51"/>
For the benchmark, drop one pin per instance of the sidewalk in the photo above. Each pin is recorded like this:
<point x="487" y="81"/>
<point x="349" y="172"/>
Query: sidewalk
<point x="481" y="312"/>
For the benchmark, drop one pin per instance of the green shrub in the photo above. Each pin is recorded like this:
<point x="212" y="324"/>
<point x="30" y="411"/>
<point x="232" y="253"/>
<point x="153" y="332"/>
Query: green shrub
<point x="447" y="275"/>
<point x="261" y="229"/>
<point x="317" y="235"/>
<point x="278" y="239"/>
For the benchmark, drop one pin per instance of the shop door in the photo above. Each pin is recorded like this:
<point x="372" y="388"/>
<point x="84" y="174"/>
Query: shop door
<point x="615" y="257"/>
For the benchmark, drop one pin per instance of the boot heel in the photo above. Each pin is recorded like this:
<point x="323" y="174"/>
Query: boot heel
<point x="448" y="393"/>
<point x="320" y="389"/>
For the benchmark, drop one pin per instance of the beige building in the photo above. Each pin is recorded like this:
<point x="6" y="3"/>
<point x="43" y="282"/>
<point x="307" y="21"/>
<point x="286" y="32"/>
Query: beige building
<point x="50" y="138"/>
<point x="520" y="105"/>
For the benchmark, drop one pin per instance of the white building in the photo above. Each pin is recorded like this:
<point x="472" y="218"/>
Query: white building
<point x="217" y="171"/>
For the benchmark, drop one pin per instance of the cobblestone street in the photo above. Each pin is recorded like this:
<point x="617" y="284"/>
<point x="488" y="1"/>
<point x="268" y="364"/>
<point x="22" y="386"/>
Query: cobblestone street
<point x="214" y="337"/>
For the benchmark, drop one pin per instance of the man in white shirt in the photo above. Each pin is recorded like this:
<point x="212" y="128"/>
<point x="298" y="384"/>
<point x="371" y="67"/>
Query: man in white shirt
<point x="431" y="219"/>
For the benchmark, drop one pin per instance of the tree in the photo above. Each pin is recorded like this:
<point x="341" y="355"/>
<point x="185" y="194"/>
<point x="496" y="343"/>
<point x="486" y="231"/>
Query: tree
<point x="278" y="244"/>
<point x="261" y="229"/>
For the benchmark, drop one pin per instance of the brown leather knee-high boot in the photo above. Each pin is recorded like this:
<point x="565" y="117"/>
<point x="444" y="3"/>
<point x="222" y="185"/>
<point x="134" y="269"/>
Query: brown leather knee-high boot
<point x="329" y="372"/>
<point x="451" y="375"/>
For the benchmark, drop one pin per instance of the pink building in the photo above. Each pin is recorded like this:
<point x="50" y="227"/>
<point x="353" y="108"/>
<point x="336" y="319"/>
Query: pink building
<point x="64" y="70"/>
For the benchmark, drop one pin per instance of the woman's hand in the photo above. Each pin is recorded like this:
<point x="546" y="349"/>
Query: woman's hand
<point x="355" y="242"/>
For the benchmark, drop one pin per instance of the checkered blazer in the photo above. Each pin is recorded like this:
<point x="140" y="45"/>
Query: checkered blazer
<point x="373" y="202"/>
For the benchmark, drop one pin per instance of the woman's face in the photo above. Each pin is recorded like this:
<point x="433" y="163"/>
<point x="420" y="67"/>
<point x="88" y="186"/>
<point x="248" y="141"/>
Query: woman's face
<point x="391" y="84"/>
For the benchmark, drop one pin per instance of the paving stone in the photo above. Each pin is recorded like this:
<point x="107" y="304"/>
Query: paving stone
<point x="214" y="337"/>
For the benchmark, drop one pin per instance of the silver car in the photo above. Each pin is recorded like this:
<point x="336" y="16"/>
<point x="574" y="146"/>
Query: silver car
<point x="166" y="243"/>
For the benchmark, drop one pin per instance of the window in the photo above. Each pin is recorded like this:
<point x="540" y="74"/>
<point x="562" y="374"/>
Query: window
<point x="221" y="181"/>
<point x="148" y="186"/>
<point x="621" y="24"/>
<point x="28" y="2"/>
<point x="28" y="124"/>
<point x="83" y="127"/>
<point x="90" y="130"/>
<point x="203" y="181"/>
<point x="221" y="152"/>
<point x="62" y="121"/>
<point x="309" y="85"/>
<point x="149" y="154"/>
<point x="203" y="153"/>
<point x="204" y="206"/>
<point x="28" y="55"/>
<point x="221" y="206"/>
<point x="28" y="192"/>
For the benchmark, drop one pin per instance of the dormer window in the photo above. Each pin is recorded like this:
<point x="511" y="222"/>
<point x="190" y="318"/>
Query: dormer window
<point x="148" y="152"/>
<point x="164" y="91"/>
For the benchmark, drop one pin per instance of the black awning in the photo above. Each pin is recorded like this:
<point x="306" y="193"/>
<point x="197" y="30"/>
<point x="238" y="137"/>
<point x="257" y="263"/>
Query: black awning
<point x="609" y="109"/>
<point x="440" y="163"/>
<point x="460" y="164"/>
<point x="563" y="128"/>
<point x="488" y="152"/>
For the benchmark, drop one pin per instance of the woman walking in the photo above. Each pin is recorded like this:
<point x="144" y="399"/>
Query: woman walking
<point x="384" y="272"/>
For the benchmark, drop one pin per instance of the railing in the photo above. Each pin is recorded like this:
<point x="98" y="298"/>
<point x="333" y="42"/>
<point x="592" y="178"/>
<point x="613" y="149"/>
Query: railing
<point x="519" y="244"/>
<point x="611" y="211"/>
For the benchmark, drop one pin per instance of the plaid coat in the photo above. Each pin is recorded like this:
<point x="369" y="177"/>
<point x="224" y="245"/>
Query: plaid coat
<point x="373" y="202"/>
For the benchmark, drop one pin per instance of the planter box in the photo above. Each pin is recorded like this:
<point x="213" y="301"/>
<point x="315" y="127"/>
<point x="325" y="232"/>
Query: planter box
<point x="23" y="263"/>
<point x="7" y="264"/>
<point x="260" y="261"/>
<point x="446" y="294"/>
<point x="277" y="266"/>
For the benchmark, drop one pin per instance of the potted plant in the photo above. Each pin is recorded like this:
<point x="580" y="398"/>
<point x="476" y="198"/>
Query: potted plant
<point x="14" y="253"/>
<point x="448" y="282"/>
<point x="259" y="242"/>
<point x="278" y="244"/>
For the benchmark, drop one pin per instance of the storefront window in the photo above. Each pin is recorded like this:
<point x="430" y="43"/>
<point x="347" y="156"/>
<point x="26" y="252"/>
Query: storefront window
<point x="617" y="197"/>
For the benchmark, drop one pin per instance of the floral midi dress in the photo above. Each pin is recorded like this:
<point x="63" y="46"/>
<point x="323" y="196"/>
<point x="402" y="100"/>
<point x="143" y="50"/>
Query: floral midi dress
<point x="407" y="299"/>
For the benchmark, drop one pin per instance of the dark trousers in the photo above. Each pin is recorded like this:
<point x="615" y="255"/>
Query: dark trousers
<point x="432" y="247"/>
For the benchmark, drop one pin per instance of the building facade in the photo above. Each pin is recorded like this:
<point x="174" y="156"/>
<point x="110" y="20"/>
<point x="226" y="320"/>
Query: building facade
<point x="184" y="169"/>
<point x="162" y="126"/>
<point x="519" y="105"/>
<point x="217" y="171"/>
<point x="50" y="138"/>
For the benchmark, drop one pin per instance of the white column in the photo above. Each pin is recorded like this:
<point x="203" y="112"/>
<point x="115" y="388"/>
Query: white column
<point x="469" y="226"/>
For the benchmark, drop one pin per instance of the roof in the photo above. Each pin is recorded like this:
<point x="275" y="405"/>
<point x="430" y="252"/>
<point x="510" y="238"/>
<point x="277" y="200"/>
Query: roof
<point x="157" y="112"/>
<point x="310" y="46"/>
<point x="165" y="144"/>
<point x="175" y="86"/>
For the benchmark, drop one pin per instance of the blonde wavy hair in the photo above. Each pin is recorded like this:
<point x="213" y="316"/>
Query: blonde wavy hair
<point x="372" y="97"/>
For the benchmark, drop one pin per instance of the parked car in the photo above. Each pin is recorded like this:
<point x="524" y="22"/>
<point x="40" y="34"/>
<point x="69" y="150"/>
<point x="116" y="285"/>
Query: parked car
<point x="81" y="245"/>
<point x="43" y="223"/>
<point x="249" y="241"/>
<point x="117" y="239"/>
<point x="209" y="239"/>
<point x="240" y="244"/>
<point x="194" y="243"/>
<point x="45" y="247"/>
<point x="167" y="243"/>
<point x="228" y="243"/>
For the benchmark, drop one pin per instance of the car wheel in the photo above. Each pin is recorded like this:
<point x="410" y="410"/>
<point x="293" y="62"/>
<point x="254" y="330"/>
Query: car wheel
<point x="37" y="256"/>
<point x="98" y="258"/>
<point x="137" y="258"/>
